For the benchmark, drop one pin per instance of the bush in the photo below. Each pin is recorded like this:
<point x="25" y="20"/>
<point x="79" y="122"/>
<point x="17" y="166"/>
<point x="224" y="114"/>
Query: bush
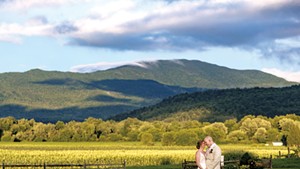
<point x="247" y="157"/>
<point x="239" y="155"/>
<point x="233" y="155"/>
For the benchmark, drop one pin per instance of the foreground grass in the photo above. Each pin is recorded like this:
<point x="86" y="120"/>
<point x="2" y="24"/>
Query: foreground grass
<point x="286" y="163"/>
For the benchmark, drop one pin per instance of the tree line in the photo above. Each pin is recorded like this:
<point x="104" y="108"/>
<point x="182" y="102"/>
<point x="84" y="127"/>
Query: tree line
<point x="225" y="104"/>
<point x="249" y="129"/>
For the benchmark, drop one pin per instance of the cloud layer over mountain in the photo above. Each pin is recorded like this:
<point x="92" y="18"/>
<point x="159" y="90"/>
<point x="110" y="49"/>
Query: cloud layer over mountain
<point x="269" y="27"/>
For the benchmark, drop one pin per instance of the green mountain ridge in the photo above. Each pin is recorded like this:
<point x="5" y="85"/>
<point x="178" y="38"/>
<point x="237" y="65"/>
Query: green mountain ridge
<point x="194" y="73"/>
<point x="53" y="95"/>
<point x="220" y="105"/>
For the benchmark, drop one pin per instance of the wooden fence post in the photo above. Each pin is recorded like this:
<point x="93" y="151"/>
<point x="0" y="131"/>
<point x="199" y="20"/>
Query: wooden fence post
<point x="44" y="165"/>
<point x="124" y="164"/>
<point x="84" y="165"/>
<point x="289" y="152"/>
<point x="271" y="166"/>
<point x="3" y="167"/>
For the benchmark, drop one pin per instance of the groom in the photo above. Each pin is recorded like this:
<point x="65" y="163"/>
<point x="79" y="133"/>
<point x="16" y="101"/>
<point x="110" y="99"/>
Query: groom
<point x="213" y="154"/>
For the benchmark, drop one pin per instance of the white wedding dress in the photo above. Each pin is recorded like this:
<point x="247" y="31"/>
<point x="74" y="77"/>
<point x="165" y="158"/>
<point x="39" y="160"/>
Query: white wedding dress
<point x="202" y="161"/>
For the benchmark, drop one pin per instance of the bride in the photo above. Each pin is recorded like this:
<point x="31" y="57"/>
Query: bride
<point x="200" y="155"/>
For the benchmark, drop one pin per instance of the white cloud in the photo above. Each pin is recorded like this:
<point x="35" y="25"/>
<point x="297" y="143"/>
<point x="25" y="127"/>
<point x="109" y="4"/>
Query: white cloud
<point x="14" y="32"/>
<point x="148" y="63"/>
<point x="17" y="5"/>
<point x="10" y="39"/>
<point x="293" y="76"/>
<point x="102" y="66"/>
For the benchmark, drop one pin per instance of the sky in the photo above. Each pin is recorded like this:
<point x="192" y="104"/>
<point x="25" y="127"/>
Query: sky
<point x="90" y="35"/>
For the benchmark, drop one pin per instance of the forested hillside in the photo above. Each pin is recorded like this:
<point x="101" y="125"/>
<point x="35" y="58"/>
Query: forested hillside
<point x="51" y="95"/>
<point x="219" y="105"/>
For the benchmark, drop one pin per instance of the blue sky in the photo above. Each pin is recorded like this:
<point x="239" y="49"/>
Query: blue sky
<point x="89" y="35"/>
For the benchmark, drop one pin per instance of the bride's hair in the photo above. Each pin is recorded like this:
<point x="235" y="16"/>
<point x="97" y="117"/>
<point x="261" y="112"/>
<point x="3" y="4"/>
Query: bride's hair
<point x="198" y="145"/>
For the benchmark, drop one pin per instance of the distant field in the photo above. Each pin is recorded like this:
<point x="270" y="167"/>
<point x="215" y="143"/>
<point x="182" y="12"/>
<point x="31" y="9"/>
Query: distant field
<point x="134" y="153"/>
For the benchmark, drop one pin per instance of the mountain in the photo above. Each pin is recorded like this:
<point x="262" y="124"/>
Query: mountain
<point x="52" y="95"/>
<point x="194" y="73"/>
<point x="219" y="105"/>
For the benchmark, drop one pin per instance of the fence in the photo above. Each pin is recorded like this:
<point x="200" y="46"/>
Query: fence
<point x="258" y="163"/>
<point x="85" y="166"/>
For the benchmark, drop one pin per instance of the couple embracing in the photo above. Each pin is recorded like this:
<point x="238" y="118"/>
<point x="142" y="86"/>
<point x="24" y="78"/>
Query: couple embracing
<point x="209" y="159"/>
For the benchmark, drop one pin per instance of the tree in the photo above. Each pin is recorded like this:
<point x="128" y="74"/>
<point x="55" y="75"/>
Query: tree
<point x="231" y="124"/>
<point x="186" y="137"/>
<point x="7" y="137"/>
<point x="237" y="136"/>
<point x="260" y="135"/>
<point x="128" y="125"/>
<point x="156" y="133"/>
<point x="114" y="137"/>
<point x="293" y="138"/>
<point x="173" y="126"/>
<point x="217" y="131"/>
<point x="1" y="133"/>
<point x="6" y="123"/>
<point x="248" y="127"/>
<point x="146" y="126"/>
<point x="273" y="135"/>
<point x="147" y="138"/>
<point x="133" y="135"/>
<point x="168" y="139"/>
<point x="59" y="125"/>
<point x="262" y="122"/>
<point x="285" y="125"/>
<point x="64" y="135"/>
<point x="88" y="131"/>
<point x="41" y="131"/>
<point x="191" y="124"/>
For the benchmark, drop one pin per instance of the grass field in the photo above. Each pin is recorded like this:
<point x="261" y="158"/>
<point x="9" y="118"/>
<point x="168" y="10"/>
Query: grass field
<point x="134" y="153"/>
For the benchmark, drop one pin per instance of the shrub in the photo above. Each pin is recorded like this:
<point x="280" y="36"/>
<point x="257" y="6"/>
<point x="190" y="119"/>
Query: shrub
<point x="247" y="157"/>
<point x="233" y="155"/>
